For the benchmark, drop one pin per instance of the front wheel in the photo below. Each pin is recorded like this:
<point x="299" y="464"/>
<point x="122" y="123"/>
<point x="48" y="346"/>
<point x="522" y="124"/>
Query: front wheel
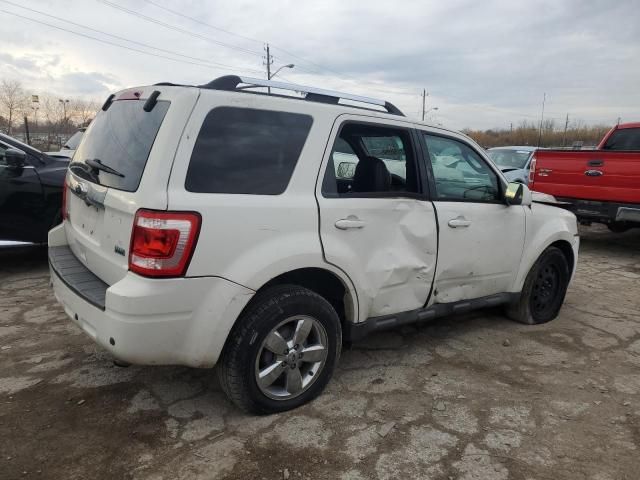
<point x="282" y="352"/>
<point x="544" y="289"/>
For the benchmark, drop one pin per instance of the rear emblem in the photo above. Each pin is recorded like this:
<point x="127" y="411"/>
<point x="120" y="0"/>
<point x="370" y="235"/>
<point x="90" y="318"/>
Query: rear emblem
<point x="119" y="250"/>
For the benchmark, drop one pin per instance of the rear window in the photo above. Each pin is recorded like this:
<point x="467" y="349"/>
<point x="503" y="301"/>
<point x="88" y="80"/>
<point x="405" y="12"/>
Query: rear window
<point x="624" y="139"/>
<point x="242" y="150"/>
<point x="120" y="138"/>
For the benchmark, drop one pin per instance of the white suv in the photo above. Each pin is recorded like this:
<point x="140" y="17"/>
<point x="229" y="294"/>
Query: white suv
<point x="224" y="224"/>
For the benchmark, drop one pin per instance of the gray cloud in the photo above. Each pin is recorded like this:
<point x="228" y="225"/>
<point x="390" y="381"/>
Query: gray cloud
<point x="485" y="64"/>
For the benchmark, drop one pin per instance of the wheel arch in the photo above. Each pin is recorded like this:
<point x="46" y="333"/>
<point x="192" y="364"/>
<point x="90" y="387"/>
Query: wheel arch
<point x="326" y="283"/>
<point x="567" y="251"/>
<point x="561" y="239"/>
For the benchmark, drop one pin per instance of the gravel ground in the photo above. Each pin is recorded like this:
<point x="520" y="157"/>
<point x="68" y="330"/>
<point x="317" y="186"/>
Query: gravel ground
<point x="469" y="397"/>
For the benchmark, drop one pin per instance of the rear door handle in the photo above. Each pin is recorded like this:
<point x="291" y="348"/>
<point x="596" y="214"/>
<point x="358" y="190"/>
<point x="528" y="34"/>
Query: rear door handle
<point x="349" y="222"/>
<point x="595" y="163"/>
<point x="459" y="222"/>
<point x="594" y="173"/>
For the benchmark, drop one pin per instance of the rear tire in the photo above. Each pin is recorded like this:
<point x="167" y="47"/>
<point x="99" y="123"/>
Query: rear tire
<point x="544" y="289"/>
<point x="282" y="351"/>
<point x="617" y="227"/>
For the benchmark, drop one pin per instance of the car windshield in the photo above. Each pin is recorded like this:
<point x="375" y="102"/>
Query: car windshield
<point x="510" y="158"/>
<point x="120" y="138"/>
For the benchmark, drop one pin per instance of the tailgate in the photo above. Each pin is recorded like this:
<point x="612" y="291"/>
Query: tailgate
<point x="122" y="164"/>
<point x="589" y="175"/>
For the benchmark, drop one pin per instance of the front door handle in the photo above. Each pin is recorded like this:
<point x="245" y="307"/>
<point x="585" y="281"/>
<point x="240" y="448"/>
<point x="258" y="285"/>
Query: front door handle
<point x="594" y="173"/>
<point x="459" y="222"/>
<point x="350" y="222"/>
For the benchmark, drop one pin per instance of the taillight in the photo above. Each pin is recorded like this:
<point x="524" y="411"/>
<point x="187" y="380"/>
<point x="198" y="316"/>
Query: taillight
<point x="162" y="243"/>
<point x="65" y="198"/>
<point x="532" y="170"/>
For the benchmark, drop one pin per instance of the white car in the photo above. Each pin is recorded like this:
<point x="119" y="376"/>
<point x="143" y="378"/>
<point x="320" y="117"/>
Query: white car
<point x="215" y="225"/>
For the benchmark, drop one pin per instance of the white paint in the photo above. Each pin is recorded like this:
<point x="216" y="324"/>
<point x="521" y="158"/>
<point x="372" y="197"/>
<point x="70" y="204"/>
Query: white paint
<point x="386" y="267"/>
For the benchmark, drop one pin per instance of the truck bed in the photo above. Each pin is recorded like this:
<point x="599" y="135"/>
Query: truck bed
<point x="600" y="175"/>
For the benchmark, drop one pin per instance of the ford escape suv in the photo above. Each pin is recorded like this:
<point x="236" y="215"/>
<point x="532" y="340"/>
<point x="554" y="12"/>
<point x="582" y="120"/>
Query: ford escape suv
<point x="222" y="224"/>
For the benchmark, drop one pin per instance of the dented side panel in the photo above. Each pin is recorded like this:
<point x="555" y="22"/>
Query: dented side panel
<point x="392" y="258"/>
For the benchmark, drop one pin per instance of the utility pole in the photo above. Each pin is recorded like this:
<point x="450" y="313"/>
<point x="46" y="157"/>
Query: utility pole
<point x="566" y="125"/>
<point x="268" y="63"/>
<point x="544" y="98"/>
<point x="510" y="128"/>
<point x="618" y="122"/>
<point x="424" y="101"/>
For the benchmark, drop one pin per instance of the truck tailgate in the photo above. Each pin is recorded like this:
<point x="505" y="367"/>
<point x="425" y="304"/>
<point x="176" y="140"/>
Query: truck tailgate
<point x="588" y="174"/>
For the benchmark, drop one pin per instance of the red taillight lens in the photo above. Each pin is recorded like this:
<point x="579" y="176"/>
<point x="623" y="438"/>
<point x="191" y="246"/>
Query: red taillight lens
<point x="162" y="242"/>
<point x="532" y="170"/>
<point x="65" y="206"/>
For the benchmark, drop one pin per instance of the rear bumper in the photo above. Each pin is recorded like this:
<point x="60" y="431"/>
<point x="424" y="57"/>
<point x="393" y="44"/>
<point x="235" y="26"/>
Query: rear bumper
<point x="604" y="212"/>
<point x="180" y="321"/>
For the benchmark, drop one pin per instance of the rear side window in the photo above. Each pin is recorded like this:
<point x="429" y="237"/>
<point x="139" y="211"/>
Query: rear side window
<point x="120" y="138"/>
<point x="624" y="139"/>
<point x="242" y="150"/>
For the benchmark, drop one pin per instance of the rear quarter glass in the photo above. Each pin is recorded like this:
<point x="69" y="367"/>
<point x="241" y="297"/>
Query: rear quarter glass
<point x="120" y="137"/>
<point x="246" y="151"/>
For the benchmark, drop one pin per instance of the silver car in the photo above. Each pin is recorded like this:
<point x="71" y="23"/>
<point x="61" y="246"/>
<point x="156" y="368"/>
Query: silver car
<point x="513" y="161"/>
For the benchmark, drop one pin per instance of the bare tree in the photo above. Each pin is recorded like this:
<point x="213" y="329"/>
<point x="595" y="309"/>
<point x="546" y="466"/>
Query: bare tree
<point x="83" y="110"/>
<point x="12" y="100"/>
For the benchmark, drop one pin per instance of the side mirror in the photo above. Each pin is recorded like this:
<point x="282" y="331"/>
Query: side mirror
<point x="15" y="158"/>
<point x="517" y="194"/>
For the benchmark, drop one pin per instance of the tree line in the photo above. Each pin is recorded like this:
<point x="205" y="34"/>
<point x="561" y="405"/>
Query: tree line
<point x="50" y="118"/>
<point x="576" y="134"/>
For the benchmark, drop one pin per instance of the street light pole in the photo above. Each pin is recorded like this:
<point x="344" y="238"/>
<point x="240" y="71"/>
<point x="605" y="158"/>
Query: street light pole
<point x="64" y="109"/>
<point x="268" y="62"/>
<point x="291" y="65"/>
<point x="429" y="110"/>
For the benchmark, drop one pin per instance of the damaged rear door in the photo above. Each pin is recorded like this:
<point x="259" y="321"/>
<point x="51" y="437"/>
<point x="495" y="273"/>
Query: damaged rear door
<point x="376" y="222"/>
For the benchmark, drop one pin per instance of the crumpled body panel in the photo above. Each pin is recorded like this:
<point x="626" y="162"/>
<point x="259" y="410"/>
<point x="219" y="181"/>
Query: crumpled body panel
<point x="391" y="258"/>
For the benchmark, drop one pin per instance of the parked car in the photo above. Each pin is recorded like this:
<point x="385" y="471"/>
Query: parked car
<point x="601" y="185"/>
<point x="70" y="146"/>
<point x="514" y="162"/>
<point x="213" y="227"/>
<point x="30" y="191"/>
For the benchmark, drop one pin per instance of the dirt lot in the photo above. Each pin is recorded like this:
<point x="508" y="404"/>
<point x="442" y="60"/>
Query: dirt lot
<point x="471" y="397"/>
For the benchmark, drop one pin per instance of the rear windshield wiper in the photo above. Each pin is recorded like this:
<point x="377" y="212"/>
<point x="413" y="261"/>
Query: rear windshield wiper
<point x="97" y="164"/>
<point x="81" y="168"/>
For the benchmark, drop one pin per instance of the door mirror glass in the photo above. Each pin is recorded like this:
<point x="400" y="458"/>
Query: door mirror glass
<point x="15" y="158"/>
<point x="513" y="194"/>
<point x="517" y="194"/>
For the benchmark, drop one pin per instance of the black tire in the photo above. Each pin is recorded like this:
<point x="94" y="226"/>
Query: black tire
<point x="238" y="363"/>
<point x="617" y="227"/>
<point x="544" y="289"/>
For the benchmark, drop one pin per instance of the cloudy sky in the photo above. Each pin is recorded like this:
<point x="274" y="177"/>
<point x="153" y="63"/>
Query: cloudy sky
<point x="484" y="63"/>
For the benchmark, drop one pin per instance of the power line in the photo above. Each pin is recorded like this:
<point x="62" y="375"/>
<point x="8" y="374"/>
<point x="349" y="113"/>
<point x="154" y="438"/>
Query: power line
<point x="206" y="61"/>
<point x="228" y="32"/>
<point x="107" y="41"/>
<point x="178" y="29"/>
<point x="179" y="14"/>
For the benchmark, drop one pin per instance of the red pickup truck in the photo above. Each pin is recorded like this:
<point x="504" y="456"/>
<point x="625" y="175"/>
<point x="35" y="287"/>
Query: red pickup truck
<point x="601" y="185"/>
